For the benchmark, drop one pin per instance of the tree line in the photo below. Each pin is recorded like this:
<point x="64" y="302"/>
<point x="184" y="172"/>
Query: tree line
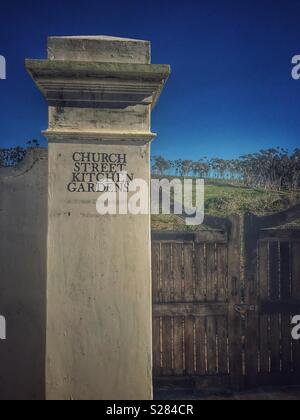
<point x="272" y="169"/>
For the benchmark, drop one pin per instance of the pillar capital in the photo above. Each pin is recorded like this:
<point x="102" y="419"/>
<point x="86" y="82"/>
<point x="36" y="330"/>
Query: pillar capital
<point x="103" y="87"/>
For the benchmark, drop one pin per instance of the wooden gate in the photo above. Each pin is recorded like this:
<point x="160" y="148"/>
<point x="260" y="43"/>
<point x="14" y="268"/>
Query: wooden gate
<point x="195" y="289"/>
<point x="223" y="300"/>
<point x="272" y="298"/>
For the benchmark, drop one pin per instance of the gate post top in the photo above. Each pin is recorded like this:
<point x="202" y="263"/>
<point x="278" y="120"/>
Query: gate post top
<point x="99" y="48"/>
<point x="101" y="86"/>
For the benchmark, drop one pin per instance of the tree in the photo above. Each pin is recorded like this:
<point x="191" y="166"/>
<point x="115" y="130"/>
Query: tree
<point x="160" y="166"/>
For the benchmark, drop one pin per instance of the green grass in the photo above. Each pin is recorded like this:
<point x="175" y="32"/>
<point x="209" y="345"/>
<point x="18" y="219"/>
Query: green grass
<point x="223" y="198"/>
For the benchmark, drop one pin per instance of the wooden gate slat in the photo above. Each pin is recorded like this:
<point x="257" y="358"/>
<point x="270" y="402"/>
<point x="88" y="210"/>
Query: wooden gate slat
<point x="200" y="335"/>
<point x="211" y="333"/>
<point x="156" y="347"/>
<point x="166" y="272"/>
<point x="222" y="333"/>
<point x="167" y="346"/>
<point x="296" y="271"/>
<point x="264" y="295"/>
<point x="178" y="346"/>
<point x="264" y="345"/>
<point x="188" y="267"/>
<point x="234" y="294"/>
<point x="264" y="270"/>
<point x="222" y="273"/>
<point x="189" y="345"/>
<point x="296" y="296"/>
<point x="200" y="273"/>
<point x="286" y="343"/>
<point x="286" y="294"/>
<point x="156" y="272"/>
<point x="275" y="339"/>
<point x="177" y="255"/>
<point x="285" y="271"/>
<point x="275" y="290"/>
<point x="274" y="271"/>
<point x="211" y="273"/>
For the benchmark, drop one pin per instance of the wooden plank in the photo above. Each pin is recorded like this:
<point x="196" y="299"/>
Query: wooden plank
<point x="200" y="338"/>
<point x="167" y="349"/>
<point x="222" y="273"/>
<point x="274" y="271"/>
<point x="194" y="383"/>
<point x="286" y="343"/>
<point x="286" y="295"/>
<point x="190" y="309"/>
<point x="280" y="235"/>
<point x="296" y="271"/>
<point x="251" y="235"/>
<point x="264" y="351"/>
<point x="200" y="273"/>
<point x="156" y="347"/>
<point x="280" y="379"/>
<point x="166" y="272"/>
<point x="156" y="272"/>
<point x="264" y="270"/>
<point x="177" y="271"/>
<point x="211" y="273"/>
<point x="188" y="267"/>
<point x="234" y="320"/>
<point x="211" y="236"/>
<point x="178" y="346"/>
<point x="211" y="334"/>
<point x="222" y="334"/>
<point x="173" y="237"/>
<point x="189" y="345"/>
<point x="289" y="306"/>
<point x="296" y="296"/>
<point x="280" y="219"/>
<point x="285" y="271"/>
<point x="275" y="340"/>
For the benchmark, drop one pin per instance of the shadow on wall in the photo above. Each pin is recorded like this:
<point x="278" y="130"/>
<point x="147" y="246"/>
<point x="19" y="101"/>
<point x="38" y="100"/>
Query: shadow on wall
<point x="23" y="226"/>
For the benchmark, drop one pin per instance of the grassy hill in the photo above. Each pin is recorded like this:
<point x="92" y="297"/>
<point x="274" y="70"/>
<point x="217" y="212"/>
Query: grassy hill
<point x="223" y="198"/>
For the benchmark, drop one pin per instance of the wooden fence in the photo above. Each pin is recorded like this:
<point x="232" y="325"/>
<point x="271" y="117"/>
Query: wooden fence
<point x="222" y="317"/>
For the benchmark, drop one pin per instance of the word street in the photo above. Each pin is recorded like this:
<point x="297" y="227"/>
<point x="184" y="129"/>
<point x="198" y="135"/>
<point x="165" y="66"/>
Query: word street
<point x="99" y="172"/>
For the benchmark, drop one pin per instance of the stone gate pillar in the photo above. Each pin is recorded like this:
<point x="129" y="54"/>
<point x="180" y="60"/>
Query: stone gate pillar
<point x="100" y="92"/>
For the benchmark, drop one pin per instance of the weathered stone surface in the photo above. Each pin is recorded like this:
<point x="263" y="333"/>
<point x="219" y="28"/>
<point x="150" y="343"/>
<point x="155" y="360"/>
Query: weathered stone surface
<point x="99" y="48"/>
<point x="23" y="251"/>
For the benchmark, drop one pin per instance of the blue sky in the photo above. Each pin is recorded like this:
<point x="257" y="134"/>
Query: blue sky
<point x="230" y="92"/>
